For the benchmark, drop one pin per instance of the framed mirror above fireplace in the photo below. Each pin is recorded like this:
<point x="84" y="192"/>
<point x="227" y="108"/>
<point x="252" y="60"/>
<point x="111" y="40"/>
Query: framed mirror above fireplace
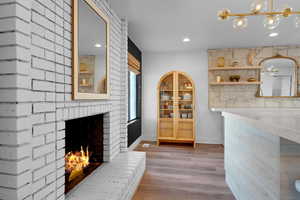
<point x="90" y="51"/>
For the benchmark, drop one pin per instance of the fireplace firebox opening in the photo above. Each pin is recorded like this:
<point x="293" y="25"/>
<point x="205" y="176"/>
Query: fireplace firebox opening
<point x="84" y="149"/>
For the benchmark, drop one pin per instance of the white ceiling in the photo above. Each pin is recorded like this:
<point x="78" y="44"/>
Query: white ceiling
<point x="160" y="25"/>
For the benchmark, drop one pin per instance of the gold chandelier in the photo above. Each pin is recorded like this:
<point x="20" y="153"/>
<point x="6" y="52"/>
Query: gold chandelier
<point x="260" y="8"/>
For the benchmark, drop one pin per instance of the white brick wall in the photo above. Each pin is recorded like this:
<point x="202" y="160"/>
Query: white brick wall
<point x="15" y="133"/>
<point x="35" y="96"/>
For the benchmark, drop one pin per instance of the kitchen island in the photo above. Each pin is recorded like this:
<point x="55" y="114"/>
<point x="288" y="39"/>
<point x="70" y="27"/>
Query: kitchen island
<point x="262" y="153"/>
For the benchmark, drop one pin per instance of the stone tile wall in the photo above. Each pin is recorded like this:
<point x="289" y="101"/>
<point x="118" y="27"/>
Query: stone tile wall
<point x="245" y="96"/>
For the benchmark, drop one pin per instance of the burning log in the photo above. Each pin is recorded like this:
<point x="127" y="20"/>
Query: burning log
<point x="76" y="162"/>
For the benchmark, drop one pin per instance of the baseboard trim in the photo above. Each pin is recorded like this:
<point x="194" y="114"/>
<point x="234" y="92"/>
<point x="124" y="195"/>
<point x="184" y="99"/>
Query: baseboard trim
<point x="197" y="142"/>
<point x="135" y="144"/>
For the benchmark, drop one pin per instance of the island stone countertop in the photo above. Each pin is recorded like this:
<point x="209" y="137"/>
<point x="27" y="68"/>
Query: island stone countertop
<point x="284" y="123"/>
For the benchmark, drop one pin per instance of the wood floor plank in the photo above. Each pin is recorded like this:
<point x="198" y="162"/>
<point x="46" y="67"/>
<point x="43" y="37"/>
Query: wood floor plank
<point x="180" y="172"/>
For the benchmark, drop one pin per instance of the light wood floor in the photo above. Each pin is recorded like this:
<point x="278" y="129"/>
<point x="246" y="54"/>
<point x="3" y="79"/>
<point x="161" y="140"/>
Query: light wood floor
<point x="179" y="172"/>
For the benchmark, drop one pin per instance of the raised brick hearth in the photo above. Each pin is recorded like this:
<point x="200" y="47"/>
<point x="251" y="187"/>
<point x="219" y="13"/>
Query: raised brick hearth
<point x="35" y="96"/>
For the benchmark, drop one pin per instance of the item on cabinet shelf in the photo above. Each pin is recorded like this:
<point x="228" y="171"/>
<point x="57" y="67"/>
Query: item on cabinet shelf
<point x="187" y="96"/>
<point x="166" y="106"/>
<point x="190" y="115"/>
<point x="220" y="62"/>
<point x="164" y="116"/>
<point x="234" y="78"/>
<point x="235" y="63"/>
<point x="184" y="115"/>
<point x="251" y="79"/>
<point x="171" y="115"/>
<point x="170" y="107"/>
<point x="83" y="82"/>
<point x="219" y="79"/>
<point x="188" y="86"/>
<point x="84" y="68"/>
<point x="163" y="87"/>
<point x="165" y="97"/>
<point x="187" y="106"/>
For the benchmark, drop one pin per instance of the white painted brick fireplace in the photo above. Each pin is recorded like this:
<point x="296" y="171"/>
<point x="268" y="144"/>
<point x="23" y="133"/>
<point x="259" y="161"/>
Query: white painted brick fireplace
<point x="35" y="96"/>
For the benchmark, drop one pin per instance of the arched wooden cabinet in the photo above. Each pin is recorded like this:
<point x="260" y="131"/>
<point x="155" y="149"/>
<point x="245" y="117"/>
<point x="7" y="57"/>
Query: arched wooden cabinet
<point x="176" y="108"/>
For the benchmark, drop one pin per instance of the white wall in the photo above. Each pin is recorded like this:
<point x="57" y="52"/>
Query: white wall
<point x="208" y="124"/>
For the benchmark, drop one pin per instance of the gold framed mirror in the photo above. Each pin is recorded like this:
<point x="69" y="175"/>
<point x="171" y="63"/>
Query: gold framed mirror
<point x="90" y="51"/>
<point x="279" y="77"/>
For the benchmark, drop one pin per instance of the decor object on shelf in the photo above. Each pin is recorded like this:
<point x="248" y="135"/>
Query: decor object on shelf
<point x="187" y="96"/>
<point x="220" y="62"/>
<point x="84" y="68"/>
<point x="235" y="63"/>
<point x="251" y="79"/>
<point x="250" y="57"/>
<point x="90" y="56"/>
<point x="234" y="78"/>
<point x="219" y="79"/>
<point x="176" y="121"/>
<point x="188" y="85"/>
<point x="279" y="77"/>
<point x="165" y="97"/>
<point x="259" y="8"/>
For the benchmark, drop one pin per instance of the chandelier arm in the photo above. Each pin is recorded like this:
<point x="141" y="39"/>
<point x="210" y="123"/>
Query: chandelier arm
<point x="261" y="13"/>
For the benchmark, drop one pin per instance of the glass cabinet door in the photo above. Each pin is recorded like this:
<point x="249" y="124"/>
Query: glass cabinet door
<point x="166" y="107"/>
<point x="185" y="108"/>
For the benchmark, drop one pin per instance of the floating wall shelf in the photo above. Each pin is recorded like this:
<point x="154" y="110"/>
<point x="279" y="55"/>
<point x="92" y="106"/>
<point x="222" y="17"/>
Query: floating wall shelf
<point x="234" y="68"/>
<point x="235" y="83"/>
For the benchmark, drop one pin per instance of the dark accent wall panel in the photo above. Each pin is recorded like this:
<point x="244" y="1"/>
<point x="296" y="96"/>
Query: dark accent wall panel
<point x="134" y="129"/>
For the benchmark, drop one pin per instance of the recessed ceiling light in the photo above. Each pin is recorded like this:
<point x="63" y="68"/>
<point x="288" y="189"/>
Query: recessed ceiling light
<point x="273" y="34"/>
<point x="98" y="45"/>
<point x="186" y="40"/>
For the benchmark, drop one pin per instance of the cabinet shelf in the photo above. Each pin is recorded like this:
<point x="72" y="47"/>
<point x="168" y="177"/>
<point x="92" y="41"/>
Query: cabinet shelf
<point x="85" y="85"/>
<point x="86" y="73"/>
<point x="186" y="120"/>
<point x="235" y="83"/>
<point x="234" y="68"/>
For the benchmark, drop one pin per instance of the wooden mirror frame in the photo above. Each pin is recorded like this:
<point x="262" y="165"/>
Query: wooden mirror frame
<point x="296" y="75"/>
<point x="75" y="69"/>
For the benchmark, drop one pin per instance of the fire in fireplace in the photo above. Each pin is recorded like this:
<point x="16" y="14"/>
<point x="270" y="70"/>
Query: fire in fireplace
<point x="76" y="163"/>
<point x="84" y="149"/>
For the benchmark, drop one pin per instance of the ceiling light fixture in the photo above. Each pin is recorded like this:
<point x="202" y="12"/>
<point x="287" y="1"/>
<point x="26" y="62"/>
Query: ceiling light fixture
<point x="186" y="40"/>
<point x="98" y="45"/>
<point x="273" y="34"/>
<point x="259" y="8"/>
